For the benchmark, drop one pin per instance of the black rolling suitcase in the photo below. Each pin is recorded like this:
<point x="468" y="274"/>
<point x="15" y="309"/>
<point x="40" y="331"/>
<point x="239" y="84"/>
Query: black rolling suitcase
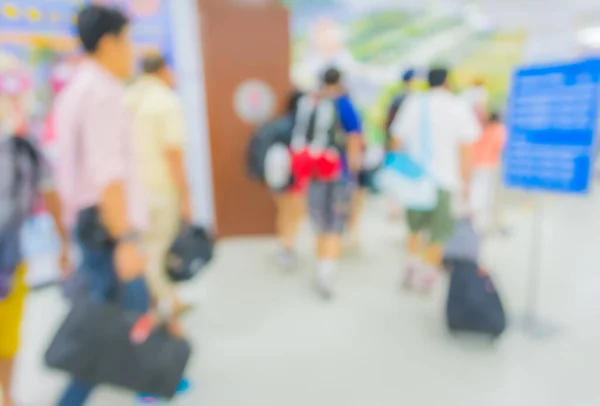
<point x="473" y="304"/>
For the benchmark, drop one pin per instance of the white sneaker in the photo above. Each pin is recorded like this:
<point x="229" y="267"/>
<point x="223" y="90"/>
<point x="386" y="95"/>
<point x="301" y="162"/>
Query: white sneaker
<point x="411" y="272"/>
<point x="287" y="260"/>
<point x="428" y="280"/>
<point x="324" y="280"/>
<point x="409" y="276"/>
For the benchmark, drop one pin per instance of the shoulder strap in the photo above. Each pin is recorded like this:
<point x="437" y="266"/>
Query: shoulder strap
<point x="425" y="132"/>
<point x="326" y="121"/>
<point x="304" y="113"/>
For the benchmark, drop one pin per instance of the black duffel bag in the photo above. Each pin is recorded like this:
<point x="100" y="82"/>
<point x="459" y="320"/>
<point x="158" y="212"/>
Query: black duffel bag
<point x="473" y="303"/>
<point x="191" y="251"/>
<point x="93" y="345"/>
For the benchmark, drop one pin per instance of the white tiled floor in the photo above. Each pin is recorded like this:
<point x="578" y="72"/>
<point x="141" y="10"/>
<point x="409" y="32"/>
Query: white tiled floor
<point x="263" y="339"/>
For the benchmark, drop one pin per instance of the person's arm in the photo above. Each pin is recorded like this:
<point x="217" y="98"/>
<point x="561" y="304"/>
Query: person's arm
<point x="176" y="160"/>
<point x="354" y="140"/>
<point x="469" y="131"/>
<point x="500" y="141"/>
<point x="402" y="125"/>
<point x="391" y="115"/>
<point x="356" y="148"/>
<point x="466" y="163"/>
<point x="106" y="134"/>
<point x="175" y="138"/>
<point x="113" y="209"/>
<point x="53" y="204"/>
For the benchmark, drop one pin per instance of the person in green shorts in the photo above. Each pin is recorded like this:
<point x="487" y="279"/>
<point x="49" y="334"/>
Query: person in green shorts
<point x="439" y="223"/>
<point x="453" y="127"/>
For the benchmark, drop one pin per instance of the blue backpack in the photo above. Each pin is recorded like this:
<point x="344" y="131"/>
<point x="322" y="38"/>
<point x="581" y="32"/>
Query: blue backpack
<point x="20" y="174"/>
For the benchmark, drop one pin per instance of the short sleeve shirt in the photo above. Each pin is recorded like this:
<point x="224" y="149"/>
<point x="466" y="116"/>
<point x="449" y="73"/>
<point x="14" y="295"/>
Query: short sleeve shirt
<point x="158" y="124"/>
<point x="450" y="123"/>
<point x="94" y="145"/>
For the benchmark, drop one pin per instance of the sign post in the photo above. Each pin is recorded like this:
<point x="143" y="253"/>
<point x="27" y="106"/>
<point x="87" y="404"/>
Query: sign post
<point x="552" y="122"/>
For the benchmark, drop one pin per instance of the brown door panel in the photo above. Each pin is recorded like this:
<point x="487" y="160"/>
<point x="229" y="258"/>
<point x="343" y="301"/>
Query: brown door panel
<point x="240" y="43"/>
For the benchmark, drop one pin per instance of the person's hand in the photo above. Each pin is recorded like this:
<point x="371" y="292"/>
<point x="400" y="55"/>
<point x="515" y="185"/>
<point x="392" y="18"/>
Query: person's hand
<point x="174" y="328"/>
<point x="129" y="261"/>
<point x="65" y="262"/>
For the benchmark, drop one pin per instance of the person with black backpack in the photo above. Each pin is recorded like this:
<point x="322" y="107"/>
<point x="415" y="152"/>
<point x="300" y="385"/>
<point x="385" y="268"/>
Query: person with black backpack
<point x="290" y="199"/>
<point x="327" y="148"/>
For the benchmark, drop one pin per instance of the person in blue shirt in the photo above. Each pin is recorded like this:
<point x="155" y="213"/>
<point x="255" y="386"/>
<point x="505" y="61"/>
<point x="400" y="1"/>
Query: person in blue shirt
<point x="330" y="202"/>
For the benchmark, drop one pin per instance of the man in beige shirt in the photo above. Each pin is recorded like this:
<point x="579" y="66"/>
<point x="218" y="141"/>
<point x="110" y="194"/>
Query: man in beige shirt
<point x="159" y="133"/>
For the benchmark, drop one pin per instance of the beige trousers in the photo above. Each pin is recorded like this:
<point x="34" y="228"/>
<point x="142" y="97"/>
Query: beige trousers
<point x="163" y="228"/>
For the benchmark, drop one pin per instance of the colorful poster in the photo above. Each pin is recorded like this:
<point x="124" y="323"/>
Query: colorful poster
<point x="37" y="42"/>
<point x="39" y="34"/>
<point x="374" y="42"/>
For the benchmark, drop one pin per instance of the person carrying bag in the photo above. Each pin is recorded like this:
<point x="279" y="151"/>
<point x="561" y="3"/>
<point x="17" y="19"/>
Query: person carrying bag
<point x="103" y="201"/>
<point x="434" y="132"/>
<point x="406" y="176"/>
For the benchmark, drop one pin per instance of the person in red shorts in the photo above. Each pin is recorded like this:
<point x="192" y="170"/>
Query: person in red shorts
<point x="327" y="149"/>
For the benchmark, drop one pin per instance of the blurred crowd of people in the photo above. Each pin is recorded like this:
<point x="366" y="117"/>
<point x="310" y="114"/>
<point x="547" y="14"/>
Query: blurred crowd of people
<point x="115" y="185"/>
<point x="332" y="170"/>
<point x="115" y="182"/>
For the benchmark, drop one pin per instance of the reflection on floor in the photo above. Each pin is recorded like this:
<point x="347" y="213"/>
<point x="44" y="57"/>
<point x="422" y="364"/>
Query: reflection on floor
<point x="263" y="339"/>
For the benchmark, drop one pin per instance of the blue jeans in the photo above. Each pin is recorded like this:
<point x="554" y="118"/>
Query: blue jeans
<point x="104" y="285"/>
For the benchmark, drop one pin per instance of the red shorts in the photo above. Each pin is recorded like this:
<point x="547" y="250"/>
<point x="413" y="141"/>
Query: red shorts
<point x="325" y="166"/>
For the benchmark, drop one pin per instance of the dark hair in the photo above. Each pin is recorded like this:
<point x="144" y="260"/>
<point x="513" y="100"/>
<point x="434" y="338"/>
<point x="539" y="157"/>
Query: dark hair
<point x="94" y="22"/>
<point x="408" y="75"/>
<point x="153" y="63"/>
<point x="495" y="117"/>
<point x="293" y="100"/>
<point x="437" y="77"/>
<point x="332" y="76"/>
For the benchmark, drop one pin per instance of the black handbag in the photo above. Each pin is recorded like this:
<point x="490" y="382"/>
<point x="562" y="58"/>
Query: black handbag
<point x="93" y="345"/>
<point x="192" y="250"/>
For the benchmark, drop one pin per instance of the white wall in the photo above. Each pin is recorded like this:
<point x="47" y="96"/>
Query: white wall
<point x="188" y="58"/>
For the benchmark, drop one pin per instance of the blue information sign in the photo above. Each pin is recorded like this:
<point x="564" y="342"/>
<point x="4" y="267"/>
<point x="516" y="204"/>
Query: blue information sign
<point x="552" y="125"/>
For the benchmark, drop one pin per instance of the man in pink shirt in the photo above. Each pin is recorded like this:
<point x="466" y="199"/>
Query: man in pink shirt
<point x="96" y="169"/>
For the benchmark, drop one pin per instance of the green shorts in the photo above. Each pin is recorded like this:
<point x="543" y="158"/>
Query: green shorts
<point x="438" y="224"/>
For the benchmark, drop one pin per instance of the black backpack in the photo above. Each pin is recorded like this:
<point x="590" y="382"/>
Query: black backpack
<point x="306" y="130"/>
<point x="277" y="131"/>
